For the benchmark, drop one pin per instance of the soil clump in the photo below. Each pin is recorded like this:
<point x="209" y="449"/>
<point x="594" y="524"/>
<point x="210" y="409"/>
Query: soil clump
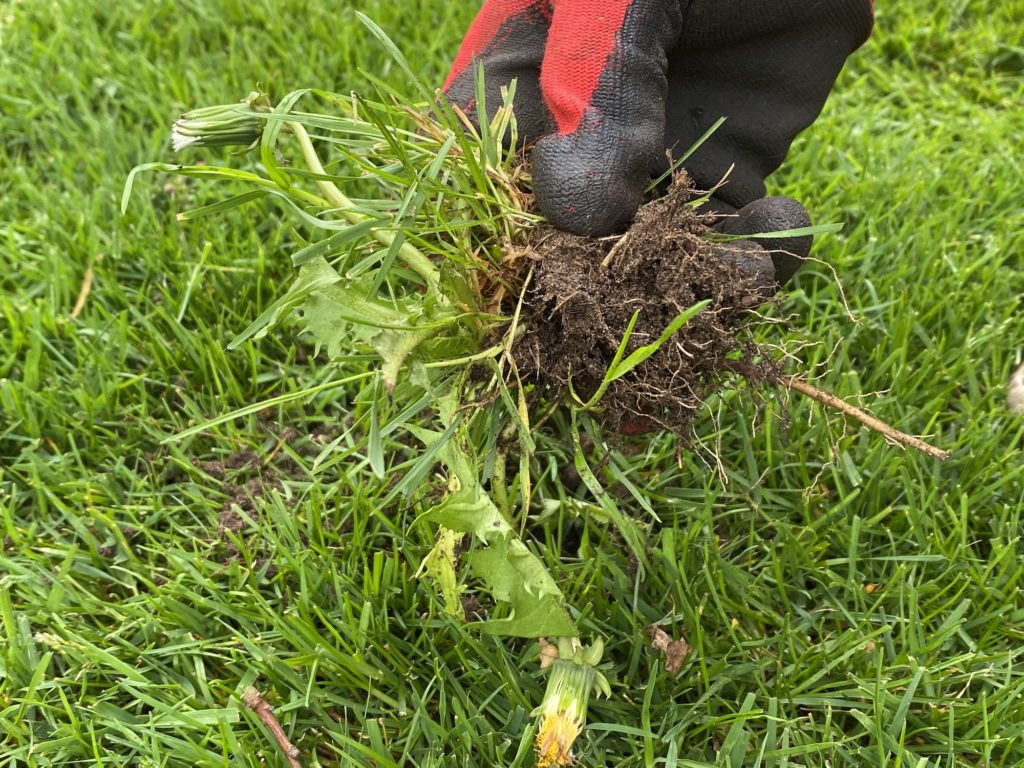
<point x="585" y="291"/>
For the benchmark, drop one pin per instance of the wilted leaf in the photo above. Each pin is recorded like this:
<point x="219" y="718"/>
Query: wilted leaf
<point x="439" y="565"/>
<point x="676" y="651"/>
<point x="548" y="653"/>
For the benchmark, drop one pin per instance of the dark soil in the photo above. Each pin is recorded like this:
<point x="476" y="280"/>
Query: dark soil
<point x="244" y="477"/>
<point x="664" y="264"/>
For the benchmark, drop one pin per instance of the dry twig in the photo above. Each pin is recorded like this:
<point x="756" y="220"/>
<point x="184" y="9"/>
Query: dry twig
<point x="828" y="399"/>
<point x="869" y="421"/>
<point x="254" y="701"/>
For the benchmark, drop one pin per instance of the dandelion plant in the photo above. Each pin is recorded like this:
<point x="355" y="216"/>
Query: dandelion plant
<point x="411" y="276"/>
<point x="418" y="272"/>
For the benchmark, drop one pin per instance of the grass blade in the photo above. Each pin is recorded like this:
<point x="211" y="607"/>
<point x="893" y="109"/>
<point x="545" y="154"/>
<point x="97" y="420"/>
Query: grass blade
<point x="223" y="205"/>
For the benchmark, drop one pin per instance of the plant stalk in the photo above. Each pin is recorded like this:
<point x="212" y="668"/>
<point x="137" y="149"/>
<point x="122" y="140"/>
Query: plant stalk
<point x="410" y="254"/>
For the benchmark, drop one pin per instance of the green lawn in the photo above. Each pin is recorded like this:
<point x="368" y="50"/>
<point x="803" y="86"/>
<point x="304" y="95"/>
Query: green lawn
<point x="849" y="603"/>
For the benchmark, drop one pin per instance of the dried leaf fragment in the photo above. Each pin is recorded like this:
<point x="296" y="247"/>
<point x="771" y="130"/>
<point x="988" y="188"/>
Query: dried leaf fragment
<point x="548" y="653"/>
<point x="676" y="651"/>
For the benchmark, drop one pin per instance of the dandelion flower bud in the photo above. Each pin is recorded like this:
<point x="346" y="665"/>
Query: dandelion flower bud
<point x="225" y="125"/>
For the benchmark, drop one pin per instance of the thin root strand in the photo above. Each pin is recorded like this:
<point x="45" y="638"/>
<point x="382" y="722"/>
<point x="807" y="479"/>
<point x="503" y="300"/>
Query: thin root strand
<point x="869" y="421"/>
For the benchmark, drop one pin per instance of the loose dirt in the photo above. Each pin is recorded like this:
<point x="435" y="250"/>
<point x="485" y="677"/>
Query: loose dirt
<point x="585" y="291"/>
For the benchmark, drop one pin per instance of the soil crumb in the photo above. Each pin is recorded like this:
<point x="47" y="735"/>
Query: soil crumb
<point x="585" y="291"/>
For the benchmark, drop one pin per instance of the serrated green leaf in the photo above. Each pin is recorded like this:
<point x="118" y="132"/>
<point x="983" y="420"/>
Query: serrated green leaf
<point x="346" y="313"/>
<point x="470" y="510"/>
<point x="394" y="347"/>
<point x="527" y="573"/>
<point x="316" y="275"/>
<point x="516" y="576"/>
<point x="512" y="573"/>
<point x="331" y="309"/>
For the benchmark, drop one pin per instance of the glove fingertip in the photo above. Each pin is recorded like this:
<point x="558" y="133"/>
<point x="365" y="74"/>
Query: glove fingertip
<point x="754" y="263"/>
<point x="581" y="189"/>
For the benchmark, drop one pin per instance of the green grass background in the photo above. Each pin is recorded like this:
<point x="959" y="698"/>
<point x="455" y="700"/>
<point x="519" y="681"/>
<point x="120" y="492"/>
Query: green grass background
<point x="849" y="604"/>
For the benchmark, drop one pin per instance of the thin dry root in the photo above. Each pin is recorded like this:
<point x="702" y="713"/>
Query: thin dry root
<point x="828" y="399"/>
<point x="869" y="421"/>
<point x="254" y="701"/>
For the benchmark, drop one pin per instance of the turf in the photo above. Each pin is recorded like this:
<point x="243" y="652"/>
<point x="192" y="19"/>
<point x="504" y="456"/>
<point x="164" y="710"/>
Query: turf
<point x="848" y="603"/>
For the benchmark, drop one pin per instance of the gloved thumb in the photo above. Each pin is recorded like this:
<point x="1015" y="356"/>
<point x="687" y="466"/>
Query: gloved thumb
<point x="603" y="79"/>
<point x="774" y="214"/>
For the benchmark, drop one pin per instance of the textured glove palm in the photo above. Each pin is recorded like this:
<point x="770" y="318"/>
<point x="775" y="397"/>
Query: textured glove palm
<point x="605" y="87"/>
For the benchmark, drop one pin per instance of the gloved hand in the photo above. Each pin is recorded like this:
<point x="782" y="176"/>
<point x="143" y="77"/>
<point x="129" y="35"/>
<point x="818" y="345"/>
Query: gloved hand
<point x="605" y="87"/>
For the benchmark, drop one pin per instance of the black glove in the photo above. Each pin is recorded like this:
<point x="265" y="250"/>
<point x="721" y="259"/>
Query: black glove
<point x="606" y="86"/>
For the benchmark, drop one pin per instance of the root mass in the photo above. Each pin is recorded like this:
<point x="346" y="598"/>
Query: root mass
<point x="585" y="292"/>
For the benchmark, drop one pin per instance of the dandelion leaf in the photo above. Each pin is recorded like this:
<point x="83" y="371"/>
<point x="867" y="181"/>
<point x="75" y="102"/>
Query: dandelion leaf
<point x="342" y="314"/>
<point x="439" y="567"/>
<point x="516" y="576"/>
<point x="312" y="277"/>
<point x="510" y="571"/>
<point x="470" y="510"/>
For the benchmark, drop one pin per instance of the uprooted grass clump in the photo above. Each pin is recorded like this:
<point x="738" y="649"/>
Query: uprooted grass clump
<point x="586" y="291"/>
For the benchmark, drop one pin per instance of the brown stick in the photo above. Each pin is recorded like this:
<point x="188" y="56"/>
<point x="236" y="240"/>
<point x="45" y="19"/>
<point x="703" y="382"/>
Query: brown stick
<point x="827" y="398"/>
<point x="869" y="421"/>
<point x="254" y="701"/>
